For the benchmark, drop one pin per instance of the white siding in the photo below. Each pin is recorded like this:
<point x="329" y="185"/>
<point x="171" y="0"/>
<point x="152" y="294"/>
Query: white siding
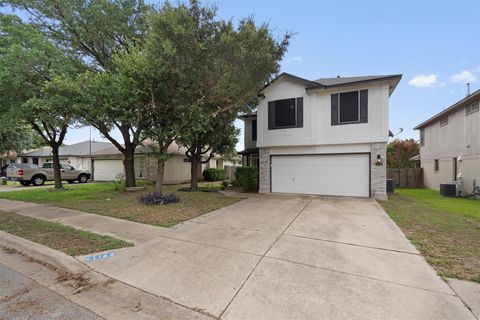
<point x="317" y="128"/>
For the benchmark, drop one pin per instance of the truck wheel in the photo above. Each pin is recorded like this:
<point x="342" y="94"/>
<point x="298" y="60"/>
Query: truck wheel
<point x="71" y="181"/>
<point x="38" y="180"/>
<point x="25" y="183"/>
<point x="83" y="178"/>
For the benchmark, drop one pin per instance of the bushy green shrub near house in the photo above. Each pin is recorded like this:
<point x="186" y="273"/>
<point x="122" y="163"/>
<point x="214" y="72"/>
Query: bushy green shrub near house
<point x="247" y="178"/>
<point x="213" y="174"/>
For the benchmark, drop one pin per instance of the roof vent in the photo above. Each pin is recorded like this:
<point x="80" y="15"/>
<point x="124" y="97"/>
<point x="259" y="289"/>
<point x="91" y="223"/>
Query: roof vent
<point x="468" y="89"/>
<point x="338" y="76"/>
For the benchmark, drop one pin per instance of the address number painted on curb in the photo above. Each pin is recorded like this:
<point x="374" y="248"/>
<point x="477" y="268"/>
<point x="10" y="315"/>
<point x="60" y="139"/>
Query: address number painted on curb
<point x="100" y="256"/>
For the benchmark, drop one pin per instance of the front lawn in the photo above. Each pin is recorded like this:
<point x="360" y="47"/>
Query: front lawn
<point x="445" y="230"/>
<point x="100" y="198"/>
<point x="57" y="236"/>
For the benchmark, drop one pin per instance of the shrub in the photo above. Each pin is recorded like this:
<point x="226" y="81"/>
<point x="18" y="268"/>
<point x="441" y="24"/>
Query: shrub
<point x="158" y="198"/>
<point x="119" y="183"/>
<point x="213" y="174"/>
<point x="225" y="184"/>
<point x="247" y="178"/>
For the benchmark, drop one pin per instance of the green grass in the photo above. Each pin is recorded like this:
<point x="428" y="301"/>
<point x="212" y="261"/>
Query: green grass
<point x="445" y="230"/>
<point x="57" y="236"/>
<point x="100" y="198"/>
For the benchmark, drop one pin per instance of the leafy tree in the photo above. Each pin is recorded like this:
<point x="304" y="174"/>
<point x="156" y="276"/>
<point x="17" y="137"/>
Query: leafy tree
<point x="204" y="70"/>
<point x="15" y="135"/>
<point x="400" y="151"/>
<point x="95" y="32"/>
<point x="218" y="137"/>
<point x="31" y="70"/>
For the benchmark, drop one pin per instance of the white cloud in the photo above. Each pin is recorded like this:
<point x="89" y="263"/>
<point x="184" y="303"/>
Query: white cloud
<point x="294" y="59"/>
<point x="425" y="81"/>
<point x="463" y="76"/>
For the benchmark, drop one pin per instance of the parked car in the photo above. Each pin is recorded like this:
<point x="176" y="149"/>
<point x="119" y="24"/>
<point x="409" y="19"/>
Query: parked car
<point x="28" y="174"/>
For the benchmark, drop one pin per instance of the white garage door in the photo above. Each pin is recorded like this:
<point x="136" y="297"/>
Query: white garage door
<point x="107" y="170"/>
<point x="339" y="174"/>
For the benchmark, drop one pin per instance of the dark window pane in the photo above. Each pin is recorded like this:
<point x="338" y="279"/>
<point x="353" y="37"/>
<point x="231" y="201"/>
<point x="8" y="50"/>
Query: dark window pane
<point x="285" y="113"/>
<point x="349" y="106"/>
<point x="254" y="130"/>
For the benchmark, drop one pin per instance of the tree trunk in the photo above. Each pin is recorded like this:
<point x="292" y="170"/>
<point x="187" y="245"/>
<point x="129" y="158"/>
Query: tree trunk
<point x="129" y="167"/>
<point x="194" y="163"/>
<point x="57" y="175"/>
<point x="159" y="178"/>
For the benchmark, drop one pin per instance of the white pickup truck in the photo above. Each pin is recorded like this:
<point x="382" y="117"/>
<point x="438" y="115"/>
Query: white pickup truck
<point x="28" y="174"/>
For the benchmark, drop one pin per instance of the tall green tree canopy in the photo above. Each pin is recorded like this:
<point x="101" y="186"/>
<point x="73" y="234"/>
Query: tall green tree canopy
<point x="201" y="68"/>
<point x="95" y="31"/>
<point x="31" y="69"/>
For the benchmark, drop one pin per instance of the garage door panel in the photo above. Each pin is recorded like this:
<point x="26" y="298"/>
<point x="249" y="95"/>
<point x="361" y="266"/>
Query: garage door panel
<point x="107" y="170"/>
<point x="342" y="175"/>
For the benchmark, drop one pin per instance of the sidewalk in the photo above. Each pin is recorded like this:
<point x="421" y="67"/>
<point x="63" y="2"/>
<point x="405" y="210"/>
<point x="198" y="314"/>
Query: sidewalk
<point x="122" y="229"/>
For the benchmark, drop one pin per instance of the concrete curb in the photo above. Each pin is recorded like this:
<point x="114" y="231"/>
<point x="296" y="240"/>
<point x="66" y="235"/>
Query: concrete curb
<point x="44" y="254"/>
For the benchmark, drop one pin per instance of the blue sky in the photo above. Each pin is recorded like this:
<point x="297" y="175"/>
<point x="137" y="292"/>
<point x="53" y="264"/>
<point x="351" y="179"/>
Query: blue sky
<point x="434" y="44"/>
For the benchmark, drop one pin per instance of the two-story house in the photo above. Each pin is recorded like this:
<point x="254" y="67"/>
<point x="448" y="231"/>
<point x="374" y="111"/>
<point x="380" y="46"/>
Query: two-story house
<point x="450" y="145"/>
<point x="327" y="136"/>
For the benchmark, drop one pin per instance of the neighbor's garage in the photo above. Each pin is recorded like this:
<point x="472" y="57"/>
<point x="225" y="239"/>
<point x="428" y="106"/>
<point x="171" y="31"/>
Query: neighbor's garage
<point x="332" y="174"/>
<point x="107" y="170"/>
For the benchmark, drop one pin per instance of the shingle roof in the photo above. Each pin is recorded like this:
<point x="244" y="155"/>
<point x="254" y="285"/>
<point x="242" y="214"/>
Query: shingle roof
<point x="326" y="83"/>
<point x="453" y="108"/>
<point x="77" y="149"/>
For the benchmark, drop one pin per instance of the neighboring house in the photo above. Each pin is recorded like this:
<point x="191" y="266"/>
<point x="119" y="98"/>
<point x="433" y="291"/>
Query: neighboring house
<point x="77" y="155"/>
<point x="108" y="164"/>
<point x="327" y="136"/>
<point x="8" y="158"/>
<point x="450" y="144"/>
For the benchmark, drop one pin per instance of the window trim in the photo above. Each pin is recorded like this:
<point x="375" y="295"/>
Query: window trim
<point x="340" y="107"/>
<point x="296" y="111"/>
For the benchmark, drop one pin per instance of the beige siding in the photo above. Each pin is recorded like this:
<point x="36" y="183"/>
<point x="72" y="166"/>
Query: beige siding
<point x="460" y="138"/>
<point x="317" y="128"/>
<point x="176" y="170"/>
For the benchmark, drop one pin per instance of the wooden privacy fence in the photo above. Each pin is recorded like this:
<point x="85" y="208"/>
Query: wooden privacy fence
<point x="406" y="177"/>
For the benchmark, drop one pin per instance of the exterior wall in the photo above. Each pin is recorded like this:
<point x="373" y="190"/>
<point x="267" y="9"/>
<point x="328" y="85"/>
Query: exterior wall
<point x="264" y="171"/>
<point x="247" y="134"/>
<point x="378" y="173"/>
<point x="317" y="128"/>
<point x="459" y="138"/>
<point x="176" y="170"/>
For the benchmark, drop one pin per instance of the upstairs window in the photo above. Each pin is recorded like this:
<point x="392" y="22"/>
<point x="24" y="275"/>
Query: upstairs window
<point x="443" y="121"/>
<point x="349" y="107"/>
<point x="286" y="113"/>
<point x="472" y="108"/>
<point x="254" y="130"/>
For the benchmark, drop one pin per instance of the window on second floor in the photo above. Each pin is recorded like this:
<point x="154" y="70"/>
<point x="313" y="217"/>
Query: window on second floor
<point x="286" y="113"/>
<point x="443" y="121"/>
<point x="254" y="130"/>
<point x="472" y="108"/>
<point x="349" y="107"/>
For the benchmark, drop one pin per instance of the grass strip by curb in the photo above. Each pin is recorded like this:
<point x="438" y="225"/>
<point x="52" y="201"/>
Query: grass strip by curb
<point x="58" y="236"/>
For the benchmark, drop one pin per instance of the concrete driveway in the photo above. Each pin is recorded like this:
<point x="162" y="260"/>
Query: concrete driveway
<point x="290" y="257"/>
